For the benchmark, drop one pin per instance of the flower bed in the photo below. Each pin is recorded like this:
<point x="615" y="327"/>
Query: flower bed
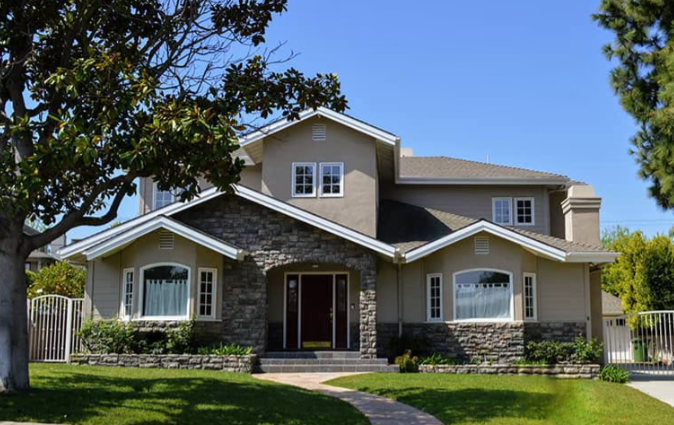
<point x="240" y="364"/>
<point x="582" y="371"/>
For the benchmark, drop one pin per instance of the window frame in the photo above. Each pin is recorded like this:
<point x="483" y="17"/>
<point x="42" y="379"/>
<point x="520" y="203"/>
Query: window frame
<point x="533" y="210"/>
<point x="341" y="180"/>
<point x="155" y="190"/>
<point x="127" y="314"/>
<point x="214" y="300"/>
<point x="293" y="178"/>
<point x="141" y="298"/>
<point x="510" y="207"/>
<point x="429" y="278"/>
<point x="483" y="269"/>
<point x="534" y="290"/>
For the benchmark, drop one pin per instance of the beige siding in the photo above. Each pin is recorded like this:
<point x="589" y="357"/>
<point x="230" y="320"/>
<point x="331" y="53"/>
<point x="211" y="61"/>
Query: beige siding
<point x="557" y="227"/>
<point x="105" y="285"/>
<point x="470" y="201"/>
<point x="561" y="287"/>
<point x="252" y="177"/>
<point x="596" y="306"/>
<point x="357" y="209"/>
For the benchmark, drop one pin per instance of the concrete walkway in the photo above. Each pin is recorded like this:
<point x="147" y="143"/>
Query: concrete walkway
<point x="660" y="388"/>
<point x="379" y="410"/>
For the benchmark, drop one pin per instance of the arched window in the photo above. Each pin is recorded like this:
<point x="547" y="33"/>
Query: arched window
<point x="483" y="295"/>
<point x="165" y="291"/>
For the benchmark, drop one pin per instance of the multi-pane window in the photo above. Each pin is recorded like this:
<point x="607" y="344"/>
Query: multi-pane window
<point x="524" y="211"/>
<point x="304" y="179"/>
<point x="530" y="308"/>
<point x="207" y="284"/>
<point x="483" y="295"/>
<point x="502" y="211"/>
<point x="332" y="179"/>
<point x="162" y="197"/>
<point x="434" y="297"/>
<point x="127" y="297"/>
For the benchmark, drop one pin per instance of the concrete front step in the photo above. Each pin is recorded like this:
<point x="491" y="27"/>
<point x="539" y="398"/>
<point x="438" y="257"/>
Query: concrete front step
<point x="325" y="368"/>
<point x="312" y="355"/>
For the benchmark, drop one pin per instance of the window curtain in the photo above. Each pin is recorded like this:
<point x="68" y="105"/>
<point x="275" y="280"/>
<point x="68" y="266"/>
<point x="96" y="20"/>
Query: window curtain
<point x="165" y="297"/>
<point x="482" y="301"/>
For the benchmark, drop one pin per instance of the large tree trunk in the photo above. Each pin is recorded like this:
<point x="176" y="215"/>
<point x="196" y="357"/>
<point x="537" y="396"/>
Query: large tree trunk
<point x="13" y="313"/>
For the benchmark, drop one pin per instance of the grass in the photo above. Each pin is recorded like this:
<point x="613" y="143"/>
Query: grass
<point x="510" y="400"/>
<point x="114" y="396"/>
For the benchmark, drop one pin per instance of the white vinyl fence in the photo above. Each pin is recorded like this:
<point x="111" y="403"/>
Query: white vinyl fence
<point x="642" y="343"/>
<point x="53" y="323"/>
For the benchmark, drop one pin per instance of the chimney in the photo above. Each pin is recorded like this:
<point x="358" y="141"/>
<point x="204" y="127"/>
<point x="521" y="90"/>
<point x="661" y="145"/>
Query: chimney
<point x="406" y="152"/>
<point x="581" y="214"/>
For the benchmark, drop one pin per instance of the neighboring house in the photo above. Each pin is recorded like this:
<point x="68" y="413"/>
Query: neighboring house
<point x="46" y="255"/>
<point x="338" y="238"/>
<point x="616" y="330"/>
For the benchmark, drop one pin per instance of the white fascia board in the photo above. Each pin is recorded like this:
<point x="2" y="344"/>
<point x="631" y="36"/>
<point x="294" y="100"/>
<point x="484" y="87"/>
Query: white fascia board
<point x="168" y="210"/>
<point x="324" y="112"/>
<point x="477" y="181"/>
<point x="592" y="257"/>
<point x="485" y="226"/>
<point x="316" y="221"/>
<point x="163" y="222"/>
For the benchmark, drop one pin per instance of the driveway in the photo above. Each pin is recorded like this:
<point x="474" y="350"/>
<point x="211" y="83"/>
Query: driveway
<point x="660" y="388"/>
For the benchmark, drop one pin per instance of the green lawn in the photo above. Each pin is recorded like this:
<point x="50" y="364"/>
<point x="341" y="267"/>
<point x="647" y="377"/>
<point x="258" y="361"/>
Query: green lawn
<point x="111" y="396"/>
<point x="510" y="400"/>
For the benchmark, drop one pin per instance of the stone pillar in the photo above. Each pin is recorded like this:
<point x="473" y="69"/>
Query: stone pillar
<point x="368" y="312"/>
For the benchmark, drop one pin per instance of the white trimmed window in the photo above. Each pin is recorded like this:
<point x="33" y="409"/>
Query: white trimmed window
<point x="434" y="297"/>
<point x="207" y="288"/>
<point x="332" y="179"/>
<point x="530" y="304"/>
<point x="304" y="179"/>
<point x="165" y="291"/>
<point x="127" y="293"/>
<point x="502" y="210"/>
<point x="162" y="198"/>
<point x="483" y="295"/>
<point x="524" y="211"/>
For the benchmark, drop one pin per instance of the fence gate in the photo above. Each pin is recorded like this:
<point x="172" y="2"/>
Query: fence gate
<point x="642" y="343"/>
<point x="53" y="322"/>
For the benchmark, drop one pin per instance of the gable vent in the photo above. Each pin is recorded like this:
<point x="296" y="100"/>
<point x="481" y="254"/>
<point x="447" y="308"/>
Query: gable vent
<point x="481" y="245"/>
<point x="165" y="240"/>
<point x="318" y="132"/>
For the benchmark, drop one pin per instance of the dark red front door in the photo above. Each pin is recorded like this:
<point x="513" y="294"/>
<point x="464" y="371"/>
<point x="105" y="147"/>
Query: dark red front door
<point x="316" y="311"/>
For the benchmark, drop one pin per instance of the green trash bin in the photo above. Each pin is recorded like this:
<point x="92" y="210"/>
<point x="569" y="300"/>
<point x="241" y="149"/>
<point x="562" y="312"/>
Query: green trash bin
<point x="639" y="350"/>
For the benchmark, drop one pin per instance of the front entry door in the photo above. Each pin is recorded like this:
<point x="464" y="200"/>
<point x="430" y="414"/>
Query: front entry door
<point x="317" y="311"/>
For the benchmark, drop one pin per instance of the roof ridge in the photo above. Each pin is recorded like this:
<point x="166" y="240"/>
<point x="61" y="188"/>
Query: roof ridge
<point x="488" y="164"/>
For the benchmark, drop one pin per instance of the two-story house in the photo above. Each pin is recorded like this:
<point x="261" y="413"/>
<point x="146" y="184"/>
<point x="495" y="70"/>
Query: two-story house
<point x="337" y="238"/>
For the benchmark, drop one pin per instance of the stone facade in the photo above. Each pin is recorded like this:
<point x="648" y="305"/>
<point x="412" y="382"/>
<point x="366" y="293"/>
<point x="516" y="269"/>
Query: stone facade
<point x="587" y="371"/>
<point x="553" y="331"/>
<point x="205" y="332"/>
<point x="240" y="364"/>
<point x="274" y="240"/>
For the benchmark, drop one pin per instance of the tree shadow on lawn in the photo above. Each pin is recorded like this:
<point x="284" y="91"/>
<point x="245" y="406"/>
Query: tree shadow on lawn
<point x="474" y="405"/>
<point x="70" y="396"/>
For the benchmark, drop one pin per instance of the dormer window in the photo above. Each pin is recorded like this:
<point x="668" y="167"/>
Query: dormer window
<point x="332" y="179"/>
<point x="304" y="179"/>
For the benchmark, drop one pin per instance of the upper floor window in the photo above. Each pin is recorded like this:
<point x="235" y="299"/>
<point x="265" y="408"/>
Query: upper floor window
<point x="332" y="179"/>
<point x="524" y="211"/>
<point x="502" y="211"/>
<point x="162" y="197"/>
<point x="483" y="295"/>
<point x="304" y="179"/>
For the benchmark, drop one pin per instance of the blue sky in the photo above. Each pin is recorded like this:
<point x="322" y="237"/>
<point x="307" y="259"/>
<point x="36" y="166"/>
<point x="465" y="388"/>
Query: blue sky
<point x="523" y="82"/>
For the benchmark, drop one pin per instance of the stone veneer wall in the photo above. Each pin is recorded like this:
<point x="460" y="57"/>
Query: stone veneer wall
<point x="205" y="332"/>
<point x="503" y="342"/>
<point x="274" y="240"/>
<point x="586" y="371"/>
<point x="241" y="364"/>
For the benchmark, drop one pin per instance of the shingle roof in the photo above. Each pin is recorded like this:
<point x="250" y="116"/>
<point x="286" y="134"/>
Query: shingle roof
<point x="453" y="168"/>
<point x="409" y="226"/>
<point x="611" y="305"/>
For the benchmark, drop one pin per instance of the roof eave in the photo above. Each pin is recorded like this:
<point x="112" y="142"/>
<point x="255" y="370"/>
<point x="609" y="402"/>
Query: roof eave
<point x="477" y="181"/>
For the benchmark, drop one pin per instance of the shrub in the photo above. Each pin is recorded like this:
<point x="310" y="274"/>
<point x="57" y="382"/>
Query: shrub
<point x="614" y="374"/>
<point x="399" y="345"/>
<point x="587" y="352"/>
<point x="407" y="363"/>
<point x="180" y="340"/>
<point x="107" y="336"/>
<point x="59" y="278"/>
<point x="550" y="352"/>
<point x="438" y="359"/>
<point x="225" y="350"/>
